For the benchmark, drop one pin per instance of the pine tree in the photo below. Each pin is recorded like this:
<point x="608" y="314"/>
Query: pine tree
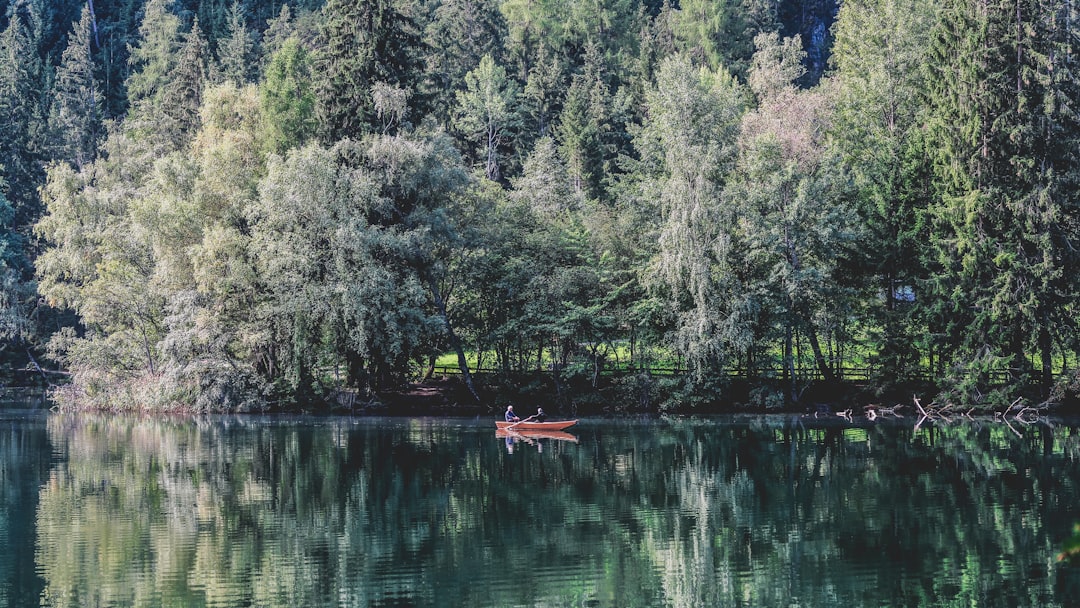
<point x="14" y="292"/>
<point x="544" y="91"/>
<point x="278" y="30"/>
<point x="75" y="116"/>
<point x="582" y="125"/>
<point x="153" y="57"/>
<point x="215" y="17"/>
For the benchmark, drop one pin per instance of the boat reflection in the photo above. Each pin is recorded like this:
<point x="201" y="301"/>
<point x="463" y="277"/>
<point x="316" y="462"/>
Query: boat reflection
<point x="532" y="437"/>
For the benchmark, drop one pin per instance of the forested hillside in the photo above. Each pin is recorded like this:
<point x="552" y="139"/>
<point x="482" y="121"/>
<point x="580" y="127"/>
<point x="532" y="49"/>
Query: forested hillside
<point x="223" y="204"/>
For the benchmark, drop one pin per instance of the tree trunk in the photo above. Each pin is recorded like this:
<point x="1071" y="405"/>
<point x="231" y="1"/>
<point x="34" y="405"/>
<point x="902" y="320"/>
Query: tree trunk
<point x="430" y="369"/>
<point x="1046" y="351"/>
<point x="356" y="373"/>
<point x="819" y="358"/>
<point x="455" y="343"/>
<point x="789" y="363"/>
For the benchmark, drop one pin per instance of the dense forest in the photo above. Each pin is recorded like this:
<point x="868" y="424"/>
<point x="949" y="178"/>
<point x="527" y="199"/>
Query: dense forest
<point x="221" y="205"/>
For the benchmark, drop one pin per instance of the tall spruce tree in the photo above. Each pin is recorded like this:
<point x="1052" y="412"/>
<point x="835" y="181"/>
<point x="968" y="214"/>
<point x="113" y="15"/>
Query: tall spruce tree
<point x="13" y="291"/>
<point x="187" y="83"/>
<point x="75" y="116"/>
<point x="235" y="50"/>
<point x="362" y="42"/>
<point x="152" y="61"/>
<point x="1005" y="135"/>
<point x="21" y="89"/>
<point x="585" y="124"/>
<point x="278" y="30"/>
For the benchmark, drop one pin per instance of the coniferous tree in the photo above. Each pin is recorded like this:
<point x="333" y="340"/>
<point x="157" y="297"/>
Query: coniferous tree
<point x="1004" y="133"/>
<point x="721" y="33"/>
<point x="154" y="54"/>
<point x="530" y="26"/>
<point x="278" y="30"/>
<point x="362" y="42"/>
<point x="16" y="294"/>
<point x="21" y="88"/>
<point x="288" y="101"/>
<point x="235" y="50"/>
<point x="585" y="126"/>
<point x="216" y="19"/>
<point x="543" y="93"/>
<point x="75" y="116"/>
<point x="186" y="85"/>
<point x="152" y="61"/>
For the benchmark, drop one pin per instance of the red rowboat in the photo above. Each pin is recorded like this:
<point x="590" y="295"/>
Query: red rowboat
<point x="557" y="425"/>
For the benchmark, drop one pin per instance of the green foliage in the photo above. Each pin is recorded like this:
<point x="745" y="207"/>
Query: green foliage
<point x="459" y="35"/>
<point x="484" y="113"/>
<point x="880" y="53"/>
<point x="584" y="125"/>
<point x="187" y="82"/>
<point x="288" y="100"/>
<point x="722" y="33"/>
<point x="15" y="295"/>
<point x="655" y="178"/>
<point x="1001" y="223"/>
<point x="22" y="110"/>
<point x="694" y="117"/>
<point x="152" y="60"/>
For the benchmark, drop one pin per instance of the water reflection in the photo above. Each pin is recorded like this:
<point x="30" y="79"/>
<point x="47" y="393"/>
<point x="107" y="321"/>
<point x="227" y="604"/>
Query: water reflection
<point x="361" y="512"/>
<point x="535" y="439"/>
<point x="24" y="463"/>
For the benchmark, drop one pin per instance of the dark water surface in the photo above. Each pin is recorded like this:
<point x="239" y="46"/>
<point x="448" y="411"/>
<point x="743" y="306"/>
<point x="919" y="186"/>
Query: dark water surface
<point x="248" y="511"/>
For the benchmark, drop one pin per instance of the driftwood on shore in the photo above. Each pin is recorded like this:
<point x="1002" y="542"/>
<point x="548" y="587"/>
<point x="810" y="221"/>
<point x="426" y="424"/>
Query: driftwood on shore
<point x="1017" y="412"/>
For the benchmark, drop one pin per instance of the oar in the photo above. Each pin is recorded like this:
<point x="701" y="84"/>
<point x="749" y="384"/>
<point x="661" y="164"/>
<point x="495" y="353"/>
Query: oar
<point x="520" y="421"/>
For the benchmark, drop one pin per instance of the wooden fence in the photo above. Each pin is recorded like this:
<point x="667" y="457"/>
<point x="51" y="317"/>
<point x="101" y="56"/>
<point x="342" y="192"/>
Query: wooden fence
<point x="854" y="374"/>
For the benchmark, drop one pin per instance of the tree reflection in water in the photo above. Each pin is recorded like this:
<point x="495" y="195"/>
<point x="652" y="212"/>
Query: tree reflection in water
<point x="732" y="512"/>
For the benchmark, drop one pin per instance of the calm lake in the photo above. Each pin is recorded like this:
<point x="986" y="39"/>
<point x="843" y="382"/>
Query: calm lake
<point x="750" y="511"/>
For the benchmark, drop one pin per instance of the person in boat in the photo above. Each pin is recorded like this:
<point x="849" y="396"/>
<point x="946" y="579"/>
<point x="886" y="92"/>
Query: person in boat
<point x="510" y="415"/>
<point x="539" y="416"/>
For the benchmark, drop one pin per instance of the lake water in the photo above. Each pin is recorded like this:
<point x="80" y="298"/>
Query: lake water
<point x="775" y="511"/>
